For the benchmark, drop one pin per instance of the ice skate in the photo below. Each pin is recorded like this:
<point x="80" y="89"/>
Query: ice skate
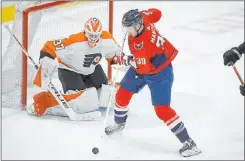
<point x="189" y="149"/>
<point x="114" y="128"/>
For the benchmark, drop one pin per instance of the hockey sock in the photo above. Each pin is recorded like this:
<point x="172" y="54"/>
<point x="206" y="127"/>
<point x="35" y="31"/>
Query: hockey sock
<point x="172" y="120"/>
<point x="120" y="115"/>
<point x="123" y="98"/>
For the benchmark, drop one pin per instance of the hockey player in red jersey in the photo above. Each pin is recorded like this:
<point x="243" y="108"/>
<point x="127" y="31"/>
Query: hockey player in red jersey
<point x="153" y="55"/>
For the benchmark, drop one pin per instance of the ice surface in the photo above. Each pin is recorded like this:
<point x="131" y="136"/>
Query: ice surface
<point x="205" y="95"/>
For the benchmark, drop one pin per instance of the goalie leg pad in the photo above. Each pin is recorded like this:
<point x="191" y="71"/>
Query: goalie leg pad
<point x="87" y="102"/>
<point x="104" y="94"/>
<point x="80" y="101"/>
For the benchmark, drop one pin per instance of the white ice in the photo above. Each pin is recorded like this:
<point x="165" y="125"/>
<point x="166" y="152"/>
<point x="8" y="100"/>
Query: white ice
<point x="205" y="94"/>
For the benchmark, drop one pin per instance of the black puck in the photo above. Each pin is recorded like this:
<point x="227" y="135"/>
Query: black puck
<point x="95" y="150"/>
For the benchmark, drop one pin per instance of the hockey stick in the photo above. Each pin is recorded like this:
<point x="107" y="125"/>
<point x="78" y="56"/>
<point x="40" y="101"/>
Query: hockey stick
<point x="57" y="95"/>
<point x="238" y="74"/>
<point x="114" y="81"/>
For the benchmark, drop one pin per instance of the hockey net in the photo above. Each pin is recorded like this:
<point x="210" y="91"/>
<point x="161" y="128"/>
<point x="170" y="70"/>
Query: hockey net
<point x="33" y="25"/>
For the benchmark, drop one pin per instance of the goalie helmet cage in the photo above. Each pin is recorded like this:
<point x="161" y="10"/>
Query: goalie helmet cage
<point x="19" y="75"/>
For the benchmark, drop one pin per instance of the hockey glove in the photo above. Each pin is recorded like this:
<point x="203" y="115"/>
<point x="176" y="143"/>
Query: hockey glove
<point x="231" y="56"/>
<point x="242" y="89"/>
<point x="124" y="60"/>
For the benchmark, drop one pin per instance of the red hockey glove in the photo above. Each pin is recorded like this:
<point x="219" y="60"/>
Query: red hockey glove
<point x="123" y="60"/>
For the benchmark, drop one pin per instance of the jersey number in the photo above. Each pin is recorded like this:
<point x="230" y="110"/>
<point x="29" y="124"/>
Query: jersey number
<point x="140" y="61"/>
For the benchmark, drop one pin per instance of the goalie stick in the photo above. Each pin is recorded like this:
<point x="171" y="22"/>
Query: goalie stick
<point x="57" y="95"/>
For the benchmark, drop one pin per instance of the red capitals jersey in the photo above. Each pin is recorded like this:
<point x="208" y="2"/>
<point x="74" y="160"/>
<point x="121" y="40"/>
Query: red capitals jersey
<point x="150" y="43"/>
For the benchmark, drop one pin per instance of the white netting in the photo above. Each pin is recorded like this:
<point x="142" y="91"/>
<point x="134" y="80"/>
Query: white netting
<point x="47" y="24"/>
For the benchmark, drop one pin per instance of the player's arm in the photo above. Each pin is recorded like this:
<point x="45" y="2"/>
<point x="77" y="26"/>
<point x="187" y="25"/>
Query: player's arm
<point x="49" y="50"/>
<point x="111" y="46"/>
<point x="241" y="48"/>
<point x="47" y="57"/>
<point x="51" y="47"/>
<point x="151" y="15"/>
<point x="114" y="55"/>
<point x="47" y="63"/>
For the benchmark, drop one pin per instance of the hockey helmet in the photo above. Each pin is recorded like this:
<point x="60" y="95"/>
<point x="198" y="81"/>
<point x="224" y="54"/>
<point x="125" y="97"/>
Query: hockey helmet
<point x="132" y="22"/>
<point x="93" y="30"/>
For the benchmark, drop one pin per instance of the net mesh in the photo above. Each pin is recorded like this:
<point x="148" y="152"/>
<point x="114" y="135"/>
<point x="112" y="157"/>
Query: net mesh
<point x="46" y="24"/>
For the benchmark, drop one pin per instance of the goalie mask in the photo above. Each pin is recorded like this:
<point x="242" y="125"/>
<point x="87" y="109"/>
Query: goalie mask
<point x="93" y="30"/>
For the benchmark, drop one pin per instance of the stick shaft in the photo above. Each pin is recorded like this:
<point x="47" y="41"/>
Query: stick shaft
<point x="238" y="74"/>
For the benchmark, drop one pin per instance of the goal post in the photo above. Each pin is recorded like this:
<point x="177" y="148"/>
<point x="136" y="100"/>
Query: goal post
<point x="34" y="26"/>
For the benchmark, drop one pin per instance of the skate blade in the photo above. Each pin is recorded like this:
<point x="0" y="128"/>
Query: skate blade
<point x="109" y="132"/>
<point x="190" y="153"/>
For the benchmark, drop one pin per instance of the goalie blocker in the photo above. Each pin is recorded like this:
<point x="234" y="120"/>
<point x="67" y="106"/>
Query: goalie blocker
<point x="84" y="93"/>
